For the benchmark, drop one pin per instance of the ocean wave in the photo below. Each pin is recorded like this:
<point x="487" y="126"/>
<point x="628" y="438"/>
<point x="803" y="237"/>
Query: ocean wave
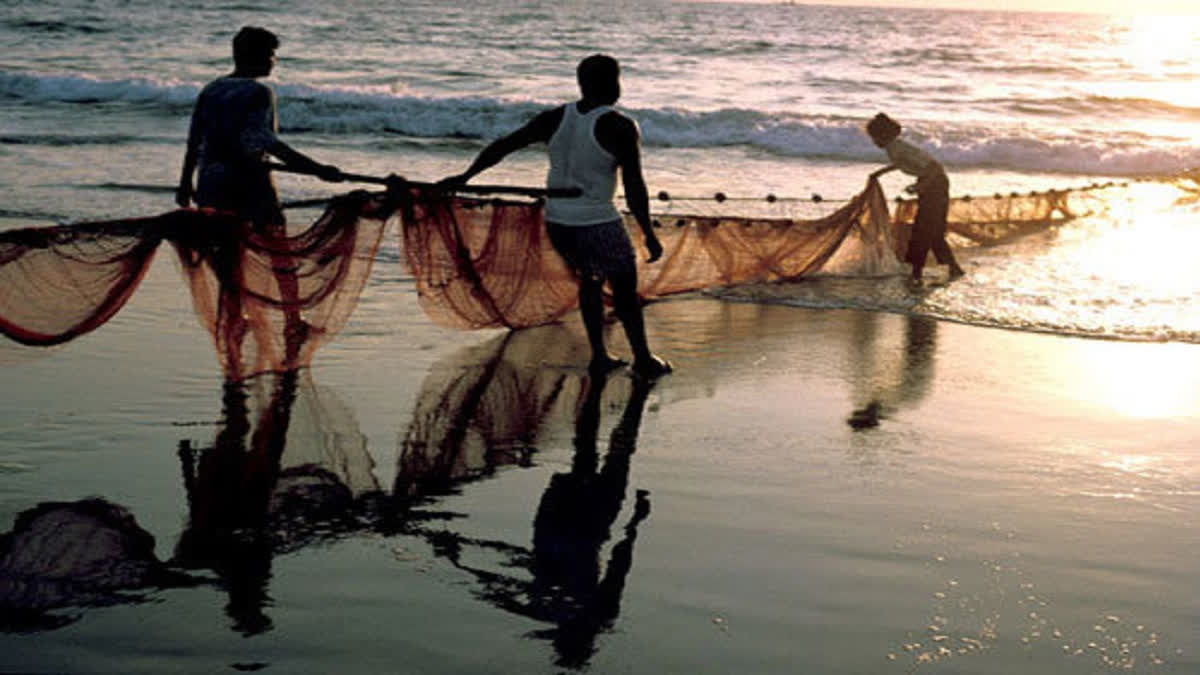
<point x="894" y="295"/>
<point x="41" y="217"/>
<point x="52" y="27"/>
<point x="64" y="140"/>
<point x="36" y="88"/>
<point x="1070" y="146"/>
<point x="1118" y="107"/>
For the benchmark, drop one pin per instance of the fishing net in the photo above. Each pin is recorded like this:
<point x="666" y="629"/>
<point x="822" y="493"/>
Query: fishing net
<point x="999" y="219"/>
<point x="269" y="299"/>
<point x="58" y="283"/>
<point x="487" y="406"/>
<point x="489" y="263"/>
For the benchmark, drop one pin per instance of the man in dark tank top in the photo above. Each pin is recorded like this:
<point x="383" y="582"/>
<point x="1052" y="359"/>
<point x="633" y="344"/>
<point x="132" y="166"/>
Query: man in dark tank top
<point x="233" y="129"/>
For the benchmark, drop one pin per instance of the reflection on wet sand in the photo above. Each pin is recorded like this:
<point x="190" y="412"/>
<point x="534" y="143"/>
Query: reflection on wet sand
<point x="484" y="407"/>
<point x="890" y="381"/>
<point x="561" y="580"/>
<point x="263" y="488"/>
<point x="288" y="467"/>
<point x="249" y="500"/>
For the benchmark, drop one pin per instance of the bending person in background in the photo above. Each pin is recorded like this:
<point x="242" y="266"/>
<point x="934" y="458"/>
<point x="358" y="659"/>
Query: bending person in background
<point x="588" y="141"/>
<point x="233" y="129"/>
<point x="933" y="195"/>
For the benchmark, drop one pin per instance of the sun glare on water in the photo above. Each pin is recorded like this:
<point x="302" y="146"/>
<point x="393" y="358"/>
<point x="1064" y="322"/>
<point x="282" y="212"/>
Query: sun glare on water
<point x="1141" y="269"/>
<point x="1157" y="59"/>
<point x="1143" y="383"/>
<point x="1153" y="249"/>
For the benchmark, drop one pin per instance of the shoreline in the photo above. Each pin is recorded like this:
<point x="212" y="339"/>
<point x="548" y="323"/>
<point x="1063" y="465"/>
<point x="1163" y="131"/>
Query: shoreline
<point x="776" y="531"/>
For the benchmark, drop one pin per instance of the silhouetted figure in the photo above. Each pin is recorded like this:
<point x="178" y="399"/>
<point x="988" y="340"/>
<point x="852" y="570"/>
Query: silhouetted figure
<point x="570" y="587"/>
<point x="589" y="141"/>
<point x="574" y="520"/>
<point x="233" y="130"/>
<point x="916" y="374"/>
<point x="229" y="489"/>
<point x="933" y="195"/>
<point x="291" y="478"/>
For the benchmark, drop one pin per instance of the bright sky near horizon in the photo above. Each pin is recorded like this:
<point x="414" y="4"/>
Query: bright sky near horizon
<point x="1179" y="7"/>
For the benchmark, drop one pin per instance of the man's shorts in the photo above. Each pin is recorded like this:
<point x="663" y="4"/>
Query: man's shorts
<point x="602" y="252"/>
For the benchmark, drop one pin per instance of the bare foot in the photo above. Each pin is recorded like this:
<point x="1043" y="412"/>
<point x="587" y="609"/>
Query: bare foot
<point x="604" y="364"/>
<point x="651" y="367"/>
<point x="866" y="417"/>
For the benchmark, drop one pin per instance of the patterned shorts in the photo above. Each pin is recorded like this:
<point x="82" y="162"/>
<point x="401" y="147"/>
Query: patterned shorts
<point x="601" y="252"/>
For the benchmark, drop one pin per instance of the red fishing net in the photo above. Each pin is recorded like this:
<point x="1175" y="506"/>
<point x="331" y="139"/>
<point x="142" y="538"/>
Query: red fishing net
<point x="487" y="263"/>
<point x="269" y="299"/>
<point x="58" y="283"/>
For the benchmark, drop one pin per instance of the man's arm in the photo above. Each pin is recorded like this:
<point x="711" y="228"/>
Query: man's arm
<point x="259" y="135"/>
<point x="538" y="130"/>
<point x="183" y="193"/>
<point x="298" y="160"/>
<point x="620" y="136"/>
<point x="879" y="172"/>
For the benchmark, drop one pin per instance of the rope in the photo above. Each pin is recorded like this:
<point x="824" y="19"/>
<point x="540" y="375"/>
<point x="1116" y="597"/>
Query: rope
<point x="721" y="197"/>
<point x="663" y="196"/>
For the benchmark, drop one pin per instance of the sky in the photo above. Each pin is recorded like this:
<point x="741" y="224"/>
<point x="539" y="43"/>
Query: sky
<point x="1185" y="7"/>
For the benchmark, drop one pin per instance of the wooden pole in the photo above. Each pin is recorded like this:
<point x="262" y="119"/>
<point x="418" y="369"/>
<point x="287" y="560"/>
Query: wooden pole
<point x="472" y="189"/>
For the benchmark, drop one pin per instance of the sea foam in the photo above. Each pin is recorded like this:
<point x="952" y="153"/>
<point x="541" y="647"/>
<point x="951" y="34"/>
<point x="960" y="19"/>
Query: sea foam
<point x="379" y="110"/>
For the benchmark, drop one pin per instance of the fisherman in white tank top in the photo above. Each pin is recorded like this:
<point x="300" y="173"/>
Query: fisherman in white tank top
<point x="589" y="143"/>
<point x="578" y="160"/>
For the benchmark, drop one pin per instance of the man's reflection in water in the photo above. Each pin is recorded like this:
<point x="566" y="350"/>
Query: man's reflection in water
<point x="300" y="473"/>
<point x="288" y="466"/>
<point x="887" y="390"/>
<point x="229" y="488"/>
<point x="574" y="520"/>
<point x="92" y="552"/>
<point x="569" y="587"/>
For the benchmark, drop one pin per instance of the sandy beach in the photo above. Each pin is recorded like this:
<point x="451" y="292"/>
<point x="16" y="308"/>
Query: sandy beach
<point x="1015" y="502"/>
<point x="842" y="476"/>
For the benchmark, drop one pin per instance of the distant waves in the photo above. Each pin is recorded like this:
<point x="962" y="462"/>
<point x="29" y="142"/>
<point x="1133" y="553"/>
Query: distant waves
<point x="348" y="111"/>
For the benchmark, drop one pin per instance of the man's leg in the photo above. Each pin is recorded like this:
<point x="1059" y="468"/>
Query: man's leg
<point x="591" y="307"/>
<point x="567" y="243"/>
<point x="923" y="233"/>
<point x="936" y="211"/>
<point x="941" y="250"/>
<point x="283" y="266"/>
<point x="629" y="310"/>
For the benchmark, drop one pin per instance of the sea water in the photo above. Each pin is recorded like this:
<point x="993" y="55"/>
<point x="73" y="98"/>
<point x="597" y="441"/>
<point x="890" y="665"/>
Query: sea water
<point x="980" y="513"/>
<point x="746" y="99"/>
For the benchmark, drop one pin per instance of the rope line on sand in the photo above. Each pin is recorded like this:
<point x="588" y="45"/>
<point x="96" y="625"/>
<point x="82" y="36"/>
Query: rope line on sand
<point x="770" y="198"/>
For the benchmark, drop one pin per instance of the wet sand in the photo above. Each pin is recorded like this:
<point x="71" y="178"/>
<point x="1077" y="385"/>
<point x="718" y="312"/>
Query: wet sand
<point x="810" y="491"/>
